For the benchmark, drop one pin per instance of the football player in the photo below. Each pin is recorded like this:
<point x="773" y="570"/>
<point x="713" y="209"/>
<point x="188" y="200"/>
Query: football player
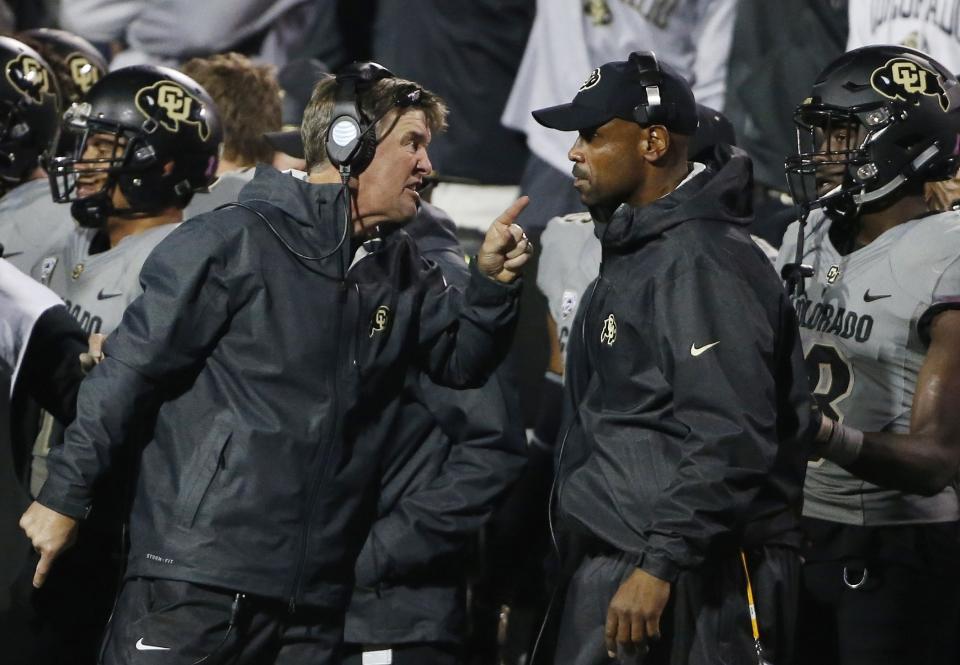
<point x="29" y="108"/>
<point x="876" y="286"/>
<point x="83" y="62"/>
<point x="145" y="139"/>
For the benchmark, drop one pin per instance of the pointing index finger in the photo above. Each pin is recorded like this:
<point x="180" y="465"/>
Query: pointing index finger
<point x="508" y="216"/>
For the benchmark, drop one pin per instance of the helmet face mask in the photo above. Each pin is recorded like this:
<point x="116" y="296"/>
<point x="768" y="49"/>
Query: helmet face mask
<point x="89" y="174"/>
<point x="832" y="160"/>
<point x="148" y="133"/>
<point x="877" y="118"/>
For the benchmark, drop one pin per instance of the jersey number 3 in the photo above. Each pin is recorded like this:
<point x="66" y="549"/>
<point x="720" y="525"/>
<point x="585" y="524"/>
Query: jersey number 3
<point x="831" y="378"/>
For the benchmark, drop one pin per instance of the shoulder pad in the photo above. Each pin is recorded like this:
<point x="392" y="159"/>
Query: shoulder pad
<point x="924" y="251"/>
<point x="577" y="217"/>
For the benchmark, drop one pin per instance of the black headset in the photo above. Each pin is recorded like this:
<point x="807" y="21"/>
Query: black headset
<point x="653" y="111"/>
<point x="351" y="139"/>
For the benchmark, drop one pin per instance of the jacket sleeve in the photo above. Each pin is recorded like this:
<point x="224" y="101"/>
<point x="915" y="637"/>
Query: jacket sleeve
<point x="164" y="333"/>
<point x="51" y="372"/>
<point x="464" y="335"/>
<point x="487" y="454"/>
<point x="717" y="350"/>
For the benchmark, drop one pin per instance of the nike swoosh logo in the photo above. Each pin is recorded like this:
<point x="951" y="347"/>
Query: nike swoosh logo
<point x="149" y="647"/>
<point x="104" y="296"/>
<point x="7" y="255"/>
<point x="869" y="298"/>
<point x="696" y="351"/>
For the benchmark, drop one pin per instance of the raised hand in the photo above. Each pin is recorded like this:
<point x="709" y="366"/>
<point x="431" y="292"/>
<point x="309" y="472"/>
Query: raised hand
<point x="505" y="248"/>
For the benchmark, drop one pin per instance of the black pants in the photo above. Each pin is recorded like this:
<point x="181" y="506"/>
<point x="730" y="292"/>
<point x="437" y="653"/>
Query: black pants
<point x="178" y="623"/>
<point x="707" y="618"/>
<point x="427" y="653"/>
<point x="905" y="608"/>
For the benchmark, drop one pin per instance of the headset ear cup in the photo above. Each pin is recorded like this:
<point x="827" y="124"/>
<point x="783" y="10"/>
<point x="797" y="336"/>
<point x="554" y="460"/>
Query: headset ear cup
<point x="365" y="152"/>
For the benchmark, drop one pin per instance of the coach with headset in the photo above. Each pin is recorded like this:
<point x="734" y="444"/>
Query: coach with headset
<point x="681" y="466"/>
<point x="270" y="337"/>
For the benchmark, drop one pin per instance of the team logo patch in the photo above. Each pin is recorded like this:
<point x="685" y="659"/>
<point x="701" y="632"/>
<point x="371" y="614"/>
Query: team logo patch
<point x="598" y="11"/>
<point x="82" y="71"/>
<point x="77" y="271"/>
<point x="906" y="80"/>
<point x="169" y="104"/>
<point x="592" y="80"/>
<point x="27" y="75"/>
<point x="46" y="269"/>
<point x="608" y="334"/>
<point x="380" y="321"/>
<point x="568" y="304"/>
<point x="833" y="274"/>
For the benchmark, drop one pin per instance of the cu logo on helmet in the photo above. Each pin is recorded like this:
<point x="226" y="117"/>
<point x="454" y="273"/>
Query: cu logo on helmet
<point x="26" y="74"/>
<point x="83" y="73"/>
<point x="169" y="104"/>
<point x="908" y="81"/>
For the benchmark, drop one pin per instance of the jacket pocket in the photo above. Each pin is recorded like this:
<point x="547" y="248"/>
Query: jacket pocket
<point x="203" y="466"/>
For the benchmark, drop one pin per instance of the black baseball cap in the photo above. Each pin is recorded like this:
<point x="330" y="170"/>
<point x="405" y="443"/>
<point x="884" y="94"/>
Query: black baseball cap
<point x="639" y="89"/>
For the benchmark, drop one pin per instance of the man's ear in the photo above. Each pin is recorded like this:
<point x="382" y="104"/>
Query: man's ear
<point x="655" y="143"/>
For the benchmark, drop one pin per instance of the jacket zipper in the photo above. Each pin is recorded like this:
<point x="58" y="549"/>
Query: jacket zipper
<point x="557" y="486"/>
<point x="318" y="470"/>
<point x="334" y="434"/>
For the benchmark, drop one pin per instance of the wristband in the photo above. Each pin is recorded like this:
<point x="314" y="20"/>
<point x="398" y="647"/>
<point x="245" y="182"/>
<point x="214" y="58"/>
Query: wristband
<point x="839" y="443"/>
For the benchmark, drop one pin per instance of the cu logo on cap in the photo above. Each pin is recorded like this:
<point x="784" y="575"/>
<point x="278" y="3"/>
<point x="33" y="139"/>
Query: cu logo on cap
<point x="592" y="80"/>
<point x="608" y="334"/>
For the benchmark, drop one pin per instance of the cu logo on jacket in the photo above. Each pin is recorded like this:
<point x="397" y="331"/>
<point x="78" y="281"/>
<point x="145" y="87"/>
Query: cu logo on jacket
<point x="608" y="334"/>
<point x="380" y="321"/>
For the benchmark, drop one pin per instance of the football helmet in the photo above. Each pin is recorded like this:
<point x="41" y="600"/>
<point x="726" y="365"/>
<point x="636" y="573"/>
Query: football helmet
<point x="82" y="59"/>
<point x="876" y="118"/>
<point x="29" y="110"/>
<point x="150" y="131"/>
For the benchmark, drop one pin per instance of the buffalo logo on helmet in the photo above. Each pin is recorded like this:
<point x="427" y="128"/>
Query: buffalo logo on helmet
<point x="27" y="75"/>
<point x="592" y="80"/>
<point x="907" y="81"/>
<point x="167" y="103"/>
<point x="83" y="72"/>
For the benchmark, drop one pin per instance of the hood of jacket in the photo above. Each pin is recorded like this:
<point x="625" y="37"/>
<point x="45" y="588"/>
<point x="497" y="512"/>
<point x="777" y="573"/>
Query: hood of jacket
<point x="724" y="195"/>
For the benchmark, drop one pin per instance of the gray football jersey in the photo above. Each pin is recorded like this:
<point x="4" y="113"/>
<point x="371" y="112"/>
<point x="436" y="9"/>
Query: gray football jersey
<point x="225" y="190"/>
<point x="569" y="261"/>
<point x="31" y="224"/>
<point x="862" y="321"/>
<point x="98" y="287"/>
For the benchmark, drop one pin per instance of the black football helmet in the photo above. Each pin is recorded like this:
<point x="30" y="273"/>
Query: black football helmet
<point x="877" y="117"/>
<point x="29" y="110"/>
<point x="162" y="135"/>
<point x="86" y="64"/>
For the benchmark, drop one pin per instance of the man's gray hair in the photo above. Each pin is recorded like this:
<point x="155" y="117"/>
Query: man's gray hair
<point x="374" y="102"/>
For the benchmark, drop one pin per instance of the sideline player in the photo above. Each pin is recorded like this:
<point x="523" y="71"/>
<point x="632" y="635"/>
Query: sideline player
<point x="881" y="334"/>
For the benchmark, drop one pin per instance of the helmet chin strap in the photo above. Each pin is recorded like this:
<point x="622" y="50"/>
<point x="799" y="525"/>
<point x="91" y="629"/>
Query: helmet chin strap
<point x="91" y="212"/>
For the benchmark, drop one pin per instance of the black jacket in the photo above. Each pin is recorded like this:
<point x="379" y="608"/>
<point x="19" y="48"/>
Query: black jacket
<point x="686" y="366"/>
<point x="453" y="454"/>
<point x="266" y="376"/>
